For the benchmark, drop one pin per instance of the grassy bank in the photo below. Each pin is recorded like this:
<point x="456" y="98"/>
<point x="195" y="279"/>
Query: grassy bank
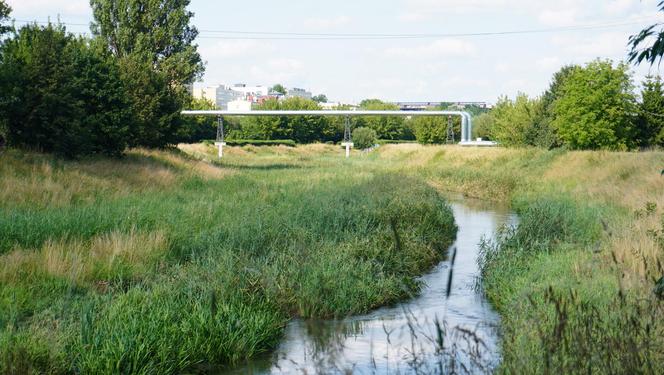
<point x="574" y="281"/>
<point x="100" y="251"/>
<point x="105" y="262"/>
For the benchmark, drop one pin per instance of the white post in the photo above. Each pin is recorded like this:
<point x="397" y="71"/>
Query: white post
<point x="348" y="145"/>
<point x="220" y="146"/>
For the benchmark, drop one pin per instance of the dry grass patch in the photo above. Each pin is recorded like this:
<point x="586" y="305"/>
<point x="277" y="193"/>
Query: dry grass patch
<point x="630" y="180"/>
<point x="101" y="259"/>
<point x="40" y="181"/>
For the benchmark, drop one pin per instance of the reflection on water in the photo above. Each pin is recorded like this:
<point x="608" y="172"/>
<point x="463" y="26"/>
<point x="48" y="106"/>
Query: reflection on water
<point x="428" y="334"/>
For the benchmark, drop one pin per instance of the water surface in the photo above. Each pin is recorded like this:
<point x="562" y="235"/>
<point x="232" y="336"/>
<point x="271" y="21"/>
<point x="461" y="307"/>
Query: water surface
<point x="407" y="338"/>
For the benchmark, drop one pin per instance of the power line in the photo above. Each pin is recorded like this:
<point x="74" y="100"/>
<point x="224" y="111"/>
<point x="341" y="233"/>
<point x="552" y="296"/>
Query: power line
<point x="275" y="35"/>
<point x="434" y="35"/>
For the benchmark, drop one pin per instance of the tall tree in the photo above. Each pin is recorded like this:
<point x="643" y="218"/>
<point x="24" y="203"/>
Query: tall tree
<point x="650" y="129"/>
<point x="154" y="42"/>
<point x="648" y="45"/>
<point x="543" y="134"/>
<point x="596" y="108"/>
<point x="5" y="10"/>
<point x="156" y="31"/>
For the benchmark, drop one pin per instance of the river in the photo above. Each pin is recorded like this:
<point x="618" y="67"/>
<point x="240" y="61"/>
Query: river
<point x="431" y="333"/>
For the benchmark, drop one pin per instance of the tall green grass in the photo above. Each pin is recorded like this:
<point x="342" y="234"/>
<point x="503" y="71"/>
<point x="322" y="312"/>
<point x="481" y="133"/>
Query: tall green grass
<point x="554" y="322"/>
<point x="244" y="254"/>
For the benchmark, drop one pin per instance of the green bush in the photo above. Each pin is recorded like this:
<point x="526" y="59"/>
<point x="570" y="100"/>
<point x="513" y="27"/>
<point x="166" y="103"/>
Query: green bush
<point x="62" y="94"/>
<point x="364" y="138"/>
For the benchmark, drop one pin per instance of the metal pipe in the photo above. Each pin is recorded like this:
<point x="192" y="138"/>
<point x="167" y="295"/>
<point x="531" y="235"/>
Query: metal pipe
<point x="325" y="113"/>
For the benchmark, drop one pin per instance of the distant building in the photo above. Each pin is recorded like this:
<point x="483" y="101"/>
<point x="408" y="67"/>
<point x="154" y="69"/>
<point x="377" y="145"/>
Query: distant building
<point x="219" y="95"/>
<point x="414" y="106"/>
<point x="254" y="91"/>
<point x="223" y="95"/>
<point x="298" y="93"/>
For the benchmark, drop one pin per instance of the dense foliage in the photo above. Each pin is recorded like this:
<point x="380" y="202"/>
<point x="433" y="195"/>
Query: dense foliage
<point x="516" y="122"/>
<point x="308" y="129"/>
<point x="197" y="129"/>
<point x="364" y="138"/>
<point x="586" y="107"/>
<point x="153" y="42"/>
<point x="62" y="94"/>
<point x="125" y="87"/>
<point x="596" y="109"/>
<point x="433" y="129"/>
<point x="5" y="10"/>
<point x="385" y="127"/>
<point x="650" y="129"/>
<point x="302" y="129"/>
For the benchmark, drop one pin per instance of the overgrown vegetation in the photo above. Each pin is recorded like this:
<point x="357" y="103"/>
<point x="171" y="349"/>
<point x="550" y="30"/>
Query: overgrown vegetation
<point x="577" y="281"/>
<point x="104" y="269"/>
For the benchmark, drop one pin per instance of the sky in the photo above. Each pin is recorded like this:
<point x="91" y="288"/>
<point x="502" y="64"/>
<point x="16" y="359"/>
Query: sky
<point x="443" y="67"/>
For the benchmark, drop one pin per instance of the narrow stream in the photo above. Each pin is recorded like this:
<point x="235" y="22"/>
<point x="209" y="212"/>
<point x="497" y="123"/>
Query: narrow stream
<point x="406" y="338"/>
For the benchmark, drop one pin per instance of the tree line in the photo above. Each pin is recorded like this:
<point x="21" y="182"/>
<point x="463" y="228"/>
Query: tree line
<point x="124" y="86"/>
<point x="308" y="129"/>
<point x="586" y="107"/>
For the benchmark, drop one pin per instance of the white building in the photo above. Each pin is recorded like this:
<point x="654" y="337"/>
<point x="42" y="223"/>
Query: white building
<point x="219" y="95"/>
<point x="222" y="95"/>
<point x="254" y="91"/>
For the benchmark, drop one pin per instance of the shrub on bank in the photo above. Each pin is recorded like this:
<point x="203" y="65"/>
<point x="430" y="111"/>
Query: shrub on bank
<point x="364" y="138"/>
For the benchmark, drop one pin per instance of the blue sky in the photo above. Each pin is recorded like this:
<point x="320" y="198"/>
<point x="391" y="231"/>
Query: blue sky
<point x="441" y="68"/>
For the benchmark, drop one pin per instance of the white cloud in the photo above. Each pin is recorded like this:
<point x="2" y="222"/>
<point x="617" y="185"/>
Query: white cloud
<point x="225" y="49"/>
<point x="502" y="67"/>
<point x="548" y="63"/>
<point x="327" y="23"/>
<point x="619" y="6"/>
<point x="448" y="47"/>
<point x="460" y="6"/>
<point x="605" y="45"/>
<point x="558" y="17"/>
<point x="50" y="7"/>
<point x="281" y="70"/>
